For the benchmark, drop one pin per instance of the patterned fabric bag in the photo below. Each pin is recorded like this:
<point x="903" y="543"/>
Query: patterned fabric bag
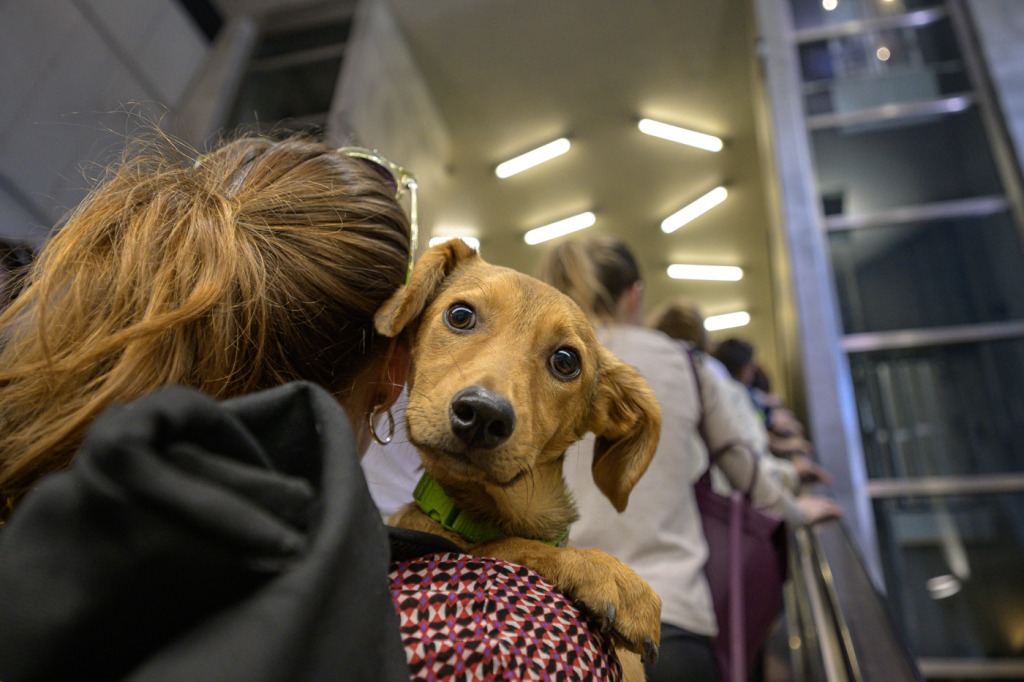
<point x="474" y="618"/>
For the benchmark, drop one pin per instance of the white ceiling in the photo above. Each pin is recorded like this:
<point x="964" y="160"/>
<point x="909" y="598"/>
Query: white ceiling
<point x="509" y="75"/>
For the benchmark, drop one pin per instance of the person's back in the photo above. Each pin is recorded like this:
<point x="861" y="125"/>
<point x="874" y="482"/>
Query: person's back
<point x="660" y="534"/>
<point x="682" y="320"/>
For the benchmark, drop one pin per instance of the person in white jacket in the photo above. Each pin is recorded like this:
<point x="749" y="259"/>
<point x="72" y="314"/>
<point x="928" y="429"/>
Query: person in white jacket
<point x="660" y="534"/>
<point x="683" y="320"/>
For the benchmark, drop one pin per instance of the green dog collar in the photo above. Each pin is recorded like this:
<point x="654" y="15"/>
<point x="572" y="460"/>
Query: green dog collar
<point x="435" y="503"/>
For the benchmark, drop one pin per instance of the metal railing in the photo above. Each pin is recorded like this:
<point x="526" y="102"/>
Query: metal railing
<point x="838" y="625"/>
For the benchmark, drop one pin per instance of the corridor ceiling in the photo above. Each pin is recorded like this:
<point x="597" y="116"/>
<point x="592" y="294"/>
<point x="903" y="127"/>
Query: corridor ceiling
<point x="509" y="75"/>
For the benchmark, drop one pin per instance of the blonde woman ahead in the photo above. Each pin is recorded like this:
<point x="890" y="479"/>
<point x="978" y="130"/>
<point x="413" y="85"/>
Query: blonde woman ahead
<point x="660" y="535"/>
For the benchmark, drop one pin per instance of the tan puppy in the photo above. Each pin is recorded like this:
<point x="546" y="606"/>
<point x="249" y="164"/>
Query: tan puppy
<point x="506" y="374"/>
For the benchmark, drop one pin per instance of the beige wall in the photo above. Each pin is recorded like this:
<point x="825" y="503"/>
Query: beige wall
<point x="71" y="69"/>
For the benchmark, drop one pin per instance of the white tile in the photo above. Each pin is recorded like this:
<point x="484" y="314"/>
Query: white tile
<point x="66" y="90"/>
<point x="70" y="189"/>
<point x="127" y="22"/>
<point x="173" y="50"/>
<point x="32" y="35"/>
<point x="63" y="117"/>
<point x="128" y="101"/>
<point x="33" y="159"/>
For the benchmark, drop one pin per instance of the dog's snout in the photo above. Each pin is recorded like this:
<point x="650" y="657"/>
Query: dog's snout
<point x="481" y="418"/>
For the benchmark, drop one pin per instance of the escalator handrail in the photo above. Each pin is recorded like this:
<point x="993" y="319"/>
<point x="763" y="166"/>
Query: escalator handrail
<point x="872" y="644"/>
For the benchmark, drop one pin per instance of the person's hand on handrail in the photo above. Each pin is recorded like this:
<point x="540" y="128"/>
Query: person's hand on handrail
<point x="810" y="471"/>
<point x="816" y="508"/>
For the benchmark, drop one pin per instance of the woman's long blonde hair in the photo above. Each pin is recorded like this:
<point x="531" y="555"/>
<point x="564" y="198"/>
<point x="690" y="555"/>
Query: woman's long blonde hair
<point x="593" y="271"/>
<point x="260" y="264"/>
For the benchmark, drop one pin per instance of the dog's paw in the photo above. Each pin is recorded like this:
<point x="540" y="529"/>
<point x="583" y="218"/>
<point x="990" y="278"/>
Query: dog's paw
<point x="621" y="601"/>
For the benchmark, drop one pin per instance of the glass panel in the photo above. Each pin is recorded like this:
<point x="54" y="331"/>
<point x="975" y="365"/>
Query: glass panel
<point x="942" y="410"/>
<point x="292" y="78"/>
<point x="815" y="13"/>
<point x="940" y="273"/>
<point x="304" y="38"/>
<point x="905" y="162"/>
<point x="953" y="567"/>
<point x="888" y="66"/>
<point x="268" y="97"/>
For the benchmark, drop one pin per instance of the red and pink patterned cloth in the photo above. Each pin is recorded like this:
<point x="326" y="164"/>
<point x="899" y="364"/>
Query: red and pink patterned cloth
<point x="473" y="618"/>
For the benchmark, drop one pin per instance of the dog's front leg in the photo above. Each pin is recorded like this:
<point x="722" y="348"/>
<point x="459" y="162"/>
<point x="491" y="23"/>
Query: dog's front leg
<point x="604" y="586"/>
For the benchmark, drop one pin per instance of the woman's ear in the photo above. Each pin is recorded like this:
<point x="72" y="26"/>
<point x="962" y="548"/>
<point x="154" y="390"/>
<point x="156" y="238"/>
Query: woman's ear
<point x="382" y="385"/>
<point x="396" y="374"/>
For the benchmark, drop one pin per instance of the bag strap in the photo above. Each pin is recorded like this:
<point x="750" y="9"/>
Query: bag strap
<point x="690" y="354"/>
<point x="409" y="544"/>
<point x="714" y="454"/>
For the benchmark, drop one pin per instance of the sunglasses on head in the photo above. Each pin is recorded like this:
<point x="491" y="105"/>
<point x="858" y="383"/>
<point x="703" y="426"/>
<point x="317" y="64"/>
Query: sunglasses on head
<point x="401" y="181"/>
<point x="398" y="178"/>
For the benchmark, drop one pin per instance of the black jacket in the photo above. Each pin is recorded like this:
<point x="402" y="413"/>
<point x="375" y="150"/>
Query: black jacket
<point x="196" y="540"/>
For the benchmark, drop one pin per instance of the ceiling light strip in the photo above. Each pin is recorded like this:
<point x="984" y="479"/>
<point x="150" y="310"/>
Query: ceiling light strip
<point x="560" y="228"/>
<point x="680" y="135"/>
<point x="715" y="273"/>
<point x="532" y="158"/>
<point x="691" y="211"/>
<point x="714" y="323"/>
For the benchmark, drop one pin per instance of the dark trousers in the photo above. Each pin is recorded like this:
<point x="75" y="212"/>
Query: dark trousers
<point x="683" y="656"/>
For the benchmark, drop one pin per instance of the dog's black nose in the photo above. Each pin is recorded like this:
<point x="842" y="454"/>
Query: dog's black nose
<point x="481" y="418"/>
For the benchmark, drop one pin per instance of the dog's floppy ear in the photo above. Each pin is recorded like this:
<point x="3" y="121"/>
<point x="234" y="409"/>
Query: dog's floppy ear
<point x="432" y="268"/>
<point x="627" y="423"/>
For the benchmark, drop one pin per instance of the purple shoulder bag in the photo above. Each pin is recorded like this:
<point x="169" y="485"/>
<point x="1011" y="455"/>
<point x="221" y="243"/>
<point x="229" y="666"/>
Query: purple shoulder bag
<point x="746" y="565"/>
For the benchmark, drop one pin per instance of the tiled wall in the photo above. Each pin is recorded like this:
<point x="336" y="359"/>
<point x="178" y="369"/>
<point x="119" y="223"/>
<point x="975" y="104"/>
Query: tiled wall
<point x="69" y="72"/>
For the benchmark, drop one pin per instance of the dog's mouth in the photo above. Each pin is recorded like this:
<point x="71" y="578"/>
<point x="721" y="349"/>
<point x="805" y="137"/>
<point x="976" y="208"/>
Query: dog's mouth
<point x="472" y="465"/>
<point x="476" y="441"/>
<point x="512" y="481"/>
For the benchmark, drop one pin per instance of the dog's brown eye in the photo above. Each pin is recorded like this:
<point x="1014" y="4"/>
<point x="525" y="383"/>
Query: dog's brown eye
<point x="565" y="363"/>
<point x="460" y="317"/>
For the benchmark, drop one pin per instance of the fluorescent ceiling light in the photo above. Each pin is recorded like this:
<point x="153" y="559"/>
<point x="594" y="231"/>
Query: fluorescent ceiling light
<point x="533" y="158"/>
<point x="718" y="273"/>
<point x="691" y="211"/>
<point x="727" y="321"/>
<point x="471" y="242"/>
<point x="560" y="228"/>
<point x="680" y="135"/>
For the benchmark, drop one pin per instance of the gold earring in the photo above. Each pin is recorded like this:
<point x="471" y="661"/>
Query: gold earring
<point x="373" y="427"/>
